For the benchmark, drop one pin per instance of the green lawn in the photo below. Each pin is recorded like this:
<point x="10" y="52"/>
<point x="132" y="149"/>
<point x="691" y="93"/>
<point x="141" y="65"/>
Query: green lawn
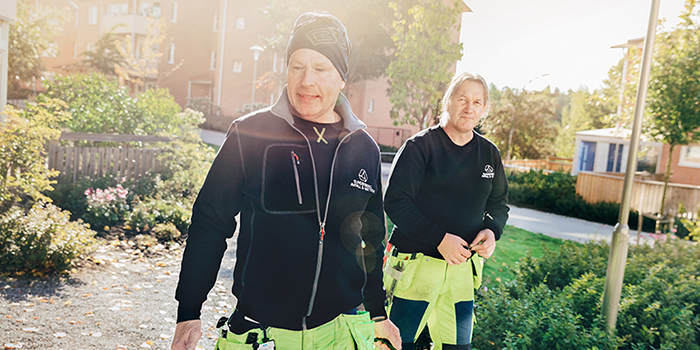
<point x="513" y="245"/>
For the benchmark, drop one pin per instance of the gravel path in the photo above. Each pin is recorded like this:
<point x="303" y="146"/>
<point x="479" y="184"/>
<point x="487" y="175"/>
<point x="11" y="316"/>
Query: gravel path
<point x="120" y="298"/>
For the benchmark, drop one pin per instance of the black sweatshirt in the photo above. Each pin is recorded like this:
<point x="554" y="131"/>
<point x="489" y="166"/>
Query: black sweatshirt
<point x="437" y="187"/>
<point x="297" y="266"/>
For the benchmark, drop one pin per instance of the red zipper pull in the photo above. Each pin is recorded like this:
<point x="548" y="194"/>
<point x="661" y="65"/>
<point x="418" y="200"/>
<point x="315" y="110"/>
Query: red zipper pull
<point x="323" y="232"/>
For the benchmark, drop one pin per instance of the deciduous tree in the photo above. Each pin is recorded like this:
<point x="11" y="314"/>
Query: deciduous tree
<point x="673" y="101"/>
<point x="421" y="66"/>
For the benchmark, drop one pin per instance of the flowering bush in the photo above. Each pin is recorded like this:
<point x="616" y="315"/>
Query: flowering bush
<point x="106" y="207"/>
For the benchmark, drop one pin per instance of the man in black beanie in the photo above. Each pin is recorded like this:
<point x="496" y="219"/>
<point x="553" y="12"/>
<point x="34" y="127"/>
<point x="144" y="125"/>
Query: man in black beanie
<point x="305" y="177"/>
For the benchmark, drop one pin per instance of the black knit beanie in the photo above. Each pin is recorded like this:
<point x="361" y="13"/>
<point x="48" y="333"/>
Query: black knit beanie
<point x="320" y="31"/>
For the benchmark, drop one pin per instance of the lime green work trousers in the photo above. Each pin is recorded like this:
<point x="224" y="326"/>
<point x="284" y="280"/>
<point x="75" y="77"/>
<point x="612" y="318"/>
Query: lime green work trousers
<point x="342" y="333"/>
<point x="425" y="290"/>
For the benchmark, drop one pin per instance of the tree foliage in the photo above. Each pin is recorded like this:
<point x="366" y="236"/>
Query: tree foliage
<point x="585" y="111"/>
<point x="30" y="37"/>
<point x="673" y="102"/>
<point x="99" y="105"/>
<point x="521" y="123"/>
<point x="421" y="66"/>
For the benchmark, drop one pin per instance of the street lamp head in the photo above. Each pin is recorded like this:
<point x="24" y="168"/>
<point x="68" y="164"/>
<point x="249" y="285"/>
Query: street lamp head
<point x="256" y="51"/>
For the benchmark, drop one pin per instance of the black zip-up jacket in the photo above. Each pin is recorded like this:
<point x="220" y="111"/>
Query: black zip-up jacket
<point x="437" y="187"/>
<point x="297" y="267"/>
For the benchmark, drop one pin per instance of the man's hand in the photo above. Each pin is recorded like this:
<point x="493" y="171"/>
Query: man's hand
<point x="387" y="330"/>
<point x="484" y="243"/>
<point x="187" y="334"/>
<point x="453" y="249"/>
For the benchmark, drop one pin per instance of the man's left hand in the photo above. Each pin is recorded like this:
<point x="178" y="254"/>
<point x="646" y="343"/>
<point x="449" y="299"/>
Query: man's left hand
<point x="387" y="330"/>
<point x="484" y="243"/>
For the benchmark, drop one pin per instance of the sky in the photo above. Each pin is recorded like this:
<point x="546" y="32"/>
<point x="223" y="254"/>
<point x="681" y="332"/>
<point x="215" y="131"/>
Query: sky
<point x="530" y="44"/>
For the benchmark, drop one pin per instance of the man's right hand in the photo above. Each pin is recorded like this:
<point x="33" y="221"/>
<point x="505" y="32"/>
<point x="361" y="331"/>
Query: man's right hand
<point x="187" y="334"/>
<point x="453" y="249"/>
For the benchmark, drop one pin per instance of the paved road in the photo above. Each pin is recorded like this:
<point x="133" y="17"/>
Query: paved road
<point x="564" y="227"/>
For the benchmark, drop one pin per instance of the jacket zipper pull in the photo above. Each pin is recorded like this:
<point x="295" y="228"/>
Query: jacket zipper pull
<point x="323" y="230"/>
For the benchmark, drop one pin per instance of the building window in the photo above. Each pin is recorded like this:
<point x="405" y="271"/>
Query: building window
<point x="150" y="10"/>
<point x="212" y="61"/>
<point x="371" y="106"/>
<point x="615" y="157"/>
<point x="90" y="47"/>
<point x="587" y="156"/>
<point x="75" y="50"/>
<point x="237" y="66"/>
<point x="118" y="9"/>
<point x="240" y="23"/>
<point x="690" y="156"/>
<point x="92" y="15"/>
<point x="274" y="63"/>
<point x="216" y="22"/>
<point x="171" y="55"/>
<point x="173" y="17"/>
<point x="272" y="99"/>
<point x="77" y="16"/>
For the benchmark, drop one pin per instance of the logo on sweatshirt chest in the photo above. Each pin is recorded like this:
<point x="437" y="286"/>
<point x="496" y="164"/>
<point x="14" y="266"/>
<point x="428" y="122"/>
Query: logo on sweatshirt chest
<point x="361" y="182"/>
<point x="488" y="172"/>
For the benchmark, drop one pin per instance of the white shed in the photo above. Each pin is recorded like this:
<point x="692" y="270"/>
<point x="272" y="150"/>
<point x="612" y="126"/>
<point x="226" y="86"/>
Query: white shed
<point x="606" y="151"/>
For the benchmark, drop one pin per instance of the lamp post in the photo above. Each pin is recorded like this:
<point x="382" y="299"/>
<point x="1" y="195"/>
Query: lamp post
<point x="256" y="54"/>
<point x="618" y="248"/>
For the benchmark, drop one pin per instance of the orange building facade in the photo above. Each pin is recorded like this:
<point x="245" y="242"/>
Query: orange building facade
<point x="206" y="54"/>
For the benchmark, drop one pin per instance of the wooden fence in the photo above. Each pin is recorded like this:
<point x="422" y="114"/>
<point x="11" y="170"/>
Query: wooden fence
<point x="119" y="161"/>
<point x="646" y="195"/>
<point x="551" y="163"/>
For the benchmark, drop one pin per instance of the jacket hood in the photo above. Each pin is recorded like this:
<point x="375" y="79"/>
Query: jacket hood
<point x="351" y="122"/>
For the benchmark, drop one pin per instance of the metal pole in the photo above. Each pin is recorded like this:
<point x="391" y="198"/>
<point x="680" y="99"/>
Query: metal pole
<point x="621" y="234"/>
<point x="255" y="72"/>
<point x="220" y="84"/>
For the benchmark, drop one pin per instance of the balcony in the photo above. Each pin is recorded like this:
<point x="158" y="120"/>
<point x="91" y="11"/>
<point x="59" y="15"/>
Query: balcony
<point x="128" y="24"/>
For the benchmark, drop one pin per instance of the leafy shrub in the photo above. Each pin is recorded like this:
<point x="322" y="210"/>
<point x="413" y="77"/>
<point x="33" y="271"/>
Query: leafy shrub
<point x="555" y="301"/>
<point x="42" y="241"/>
<point x="150" y="212"/>
<point x="23" y="137"/>
<point x="106" y="207"/>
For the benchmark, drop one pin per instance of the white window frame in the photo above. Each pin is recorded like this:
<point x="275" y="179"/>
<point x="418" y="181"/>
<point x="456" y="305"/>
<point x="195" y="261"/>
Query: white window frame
<point x="77" y="18"/>
<point x="371" y="106"/>
<point x="75" y="50"/>
<point x="237" y="66"/>
<point x="171" y="54"/>
<point x="173" y="15"/>
<point x="215" y="27"/>
<point x="240" y="23"/>
<point x="92" y="14"/>
<point x="683" y="159"/>
<point x="212" y="61"/>
<point x="90" y="47"/>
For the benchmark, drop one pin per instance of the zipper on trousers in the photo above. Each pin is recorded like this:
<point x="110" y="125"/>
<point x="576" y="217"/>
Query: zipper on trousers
<point x="295" y="165"/>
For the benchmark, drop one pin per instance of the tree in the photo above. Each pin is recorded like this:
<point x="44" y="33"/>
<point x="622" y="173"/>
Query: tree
<point x="140" y="58"/>
<point x="104" y="59"/>
<point x="522" y="123"/>
<point x="30" y="37"/>
<point x="420" y="69"/>
<point x="585" y="111"/>
<point x="673" y="102"/>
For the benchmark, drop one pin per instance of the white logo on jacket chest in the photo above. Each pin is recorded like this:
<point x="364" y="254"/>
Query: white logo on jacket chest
<point x="362" y="182"/>
<point x="488" y="172"/>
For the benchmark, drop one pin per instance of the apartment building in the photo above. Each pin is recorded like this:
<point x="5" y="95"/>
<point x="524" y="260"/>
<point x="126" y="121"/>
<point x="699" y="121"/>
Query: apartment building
<point x="211" y="51"/>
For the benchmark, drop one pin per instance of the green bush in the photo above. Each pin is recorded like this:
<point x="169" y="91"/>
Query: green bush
<point x="555" y="301"/>
<point x="555" y="192"/>
<point x="23" y="138"/>
<point x="42" y="241"/>
<point x="151" y="212"/>
<point x="106" y="207"/>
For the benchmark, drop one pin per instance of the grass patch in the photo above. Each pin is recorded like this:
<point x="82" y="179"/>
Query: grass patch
<point x="514" y="244"/>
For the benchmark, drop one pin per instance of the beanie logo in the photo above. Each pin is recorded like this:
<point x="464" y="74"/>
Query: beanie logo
<point x="322" y="36"/>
